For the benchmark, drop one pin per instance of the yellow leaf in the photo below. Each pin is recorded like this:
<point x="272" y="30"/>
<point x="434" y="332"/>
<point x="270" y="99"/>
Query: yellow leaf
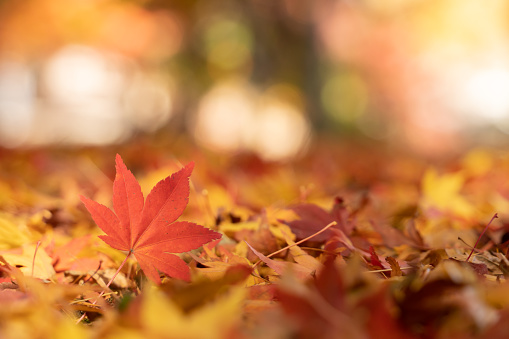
<point x="300" y="256"/>
<point x="12" y="233"/>
<point x="230" y="229"/>
<point x="214" y="269"/>
<point x="37" y="220"/>
<point x="42" y="268"/>
<point x="161" y="317"/>
<point x="240" y="249"/>
<point x="275" y="214"/>
<point x="66" y="329"/>
<point x="443" y="193"/>
<point x="217" y="269"/>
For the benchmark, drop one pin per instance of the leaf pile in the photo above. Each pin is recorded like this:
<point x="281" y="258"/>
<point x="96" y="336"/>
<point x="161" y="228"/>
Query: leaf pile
<point x="349" y="242"/>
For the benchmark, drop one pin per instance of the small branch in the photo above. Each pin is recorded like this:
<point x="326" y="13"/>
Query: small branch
<point x="318" y="250"/>
<point x="107" y="286"/>
<point x="87" y="299"/>
<point x="388" y="270"/>
<point x="484" y="231"/>
<point x="297" y="243"/>
<point x="97" y="270"/>
<point x="35" y="253"/>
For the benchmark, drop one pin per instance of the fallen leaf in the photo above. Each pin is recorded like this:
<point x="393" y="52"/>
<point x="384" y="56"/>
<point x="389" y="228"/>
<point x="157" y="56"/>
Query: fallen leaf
<point x="161" y="317"/>
<point x="12" y="235"/>
<point x="375" y="261"/>
<point x="319" y="312"/>
<point x="300" y="256"/>
<point x="64" y="257"/>
<point x="443" y="192"/>
<point x="313" y="218"/>
<point x="382" y="316"/>
<point x="189" y="297"/>
<point x="396" y="270"/>
<point x="40" y="267"/>
<point x="282" y="267"/>
<point x="149" y="230"/>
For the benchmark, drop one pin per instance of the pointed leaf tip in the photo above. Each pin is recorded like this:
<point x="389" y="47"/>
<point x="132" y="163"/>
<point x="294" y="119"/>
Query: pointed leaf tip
<point x="148" y="229"/>
<point x="164" y="205"/>
<point x="107" y="222"/>
<point x="128" y="200"/>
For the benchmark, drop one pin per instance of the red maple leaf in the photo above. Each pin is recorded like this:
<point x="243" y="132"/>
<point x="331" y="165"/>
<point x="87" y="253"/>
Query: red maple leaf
<point x="149" y="230"/>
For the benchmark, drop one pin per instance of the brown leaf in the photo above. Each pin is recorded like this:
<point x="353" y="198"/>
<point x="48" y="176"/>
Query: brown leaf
<point x="396" y="270"/>
<point x="313" y="218"/>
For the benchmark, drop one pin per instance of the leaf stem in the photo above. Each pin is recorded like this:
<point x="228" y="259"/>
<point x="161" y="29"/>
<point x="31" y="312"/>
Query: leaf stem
<point x="387" y="270"/>
<point x="97" y="270"/>
<point x="87" y="299"/>
<point x="107" y="286"/>
<point x="297" y="243"/>
<point x="35" y="253"/>
<point x="484" y="231"/>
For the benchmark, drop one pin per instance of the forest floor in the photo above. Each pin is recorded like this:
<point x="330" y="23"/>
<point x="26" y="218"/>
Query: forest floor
<point x="349" y="241"/>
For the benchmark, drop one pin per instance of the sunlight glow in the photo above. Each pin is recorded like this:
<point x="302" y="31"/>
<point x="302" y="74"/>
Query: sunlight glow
<point x="17" y="99"/>
<point x="225" y="118"/>
<point x="83" y="87"/>
<point x="80" y="96"/>
<point x="148" y="102"/>
<point x="232" y="117"/>
<point x="486" y="93"/>
<point x="282" y="131"/>
<point x="80" y="74"/>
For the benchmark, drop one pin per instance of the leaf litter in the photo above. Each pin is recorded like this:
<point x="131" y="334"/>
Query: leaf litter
<point x="379" y="246"/>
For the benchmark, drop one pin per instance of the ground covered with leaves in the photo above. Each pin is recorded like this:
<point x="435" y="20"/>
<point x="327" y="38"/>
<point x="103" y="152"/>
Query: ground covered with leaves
<point x="351" y="241"/>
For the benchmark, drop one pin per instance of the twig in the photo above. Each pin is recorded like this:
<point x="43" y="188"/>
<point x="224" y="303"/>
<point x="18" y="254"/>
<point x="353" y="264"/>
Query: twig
<point x="107" y="286"/>
<point x="35" y="253"/>
<point x="388" y="270"/>
<point x="484" y="231"/>
<point x="97" y="270"/>
<point x="297" y="243"/>
<point x="87" y="299"/>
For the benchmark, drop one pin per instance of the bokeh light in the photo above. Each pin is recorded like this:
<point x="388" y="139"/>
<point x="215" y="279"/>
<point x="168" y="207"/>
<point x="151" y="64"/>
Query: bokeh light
<point x="17" y="100"/>
<point x="233" y="117"/>
<point x="227" y="43"/>
<point x="226" y="116"/>
<point x="79" y="74"/>
<point x="429" y="76"/>
<point x="483" y="95"/>
<point x="344" y="97"/>
<point x="281" y="131"/>
<point x="80" y="96"/>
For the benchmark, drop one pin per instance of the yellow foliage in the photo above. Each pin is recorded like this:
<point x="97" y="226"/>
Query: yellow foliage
<point x="277" y="231"/>
<point x="160" y="317"/>
<point x="43" y="269"/>
<point x="443" y="192"/>
<point x="13" y="233"/>
<point x="300" y="256"/>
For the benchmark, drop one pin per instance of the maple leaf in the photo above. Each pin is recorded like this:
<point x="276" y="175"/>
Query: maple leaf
<point x="149" y="230"/>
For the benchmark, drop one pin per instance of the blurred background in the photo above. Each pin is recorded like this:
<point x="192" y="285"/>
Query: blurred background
<point x="255" y="76"/>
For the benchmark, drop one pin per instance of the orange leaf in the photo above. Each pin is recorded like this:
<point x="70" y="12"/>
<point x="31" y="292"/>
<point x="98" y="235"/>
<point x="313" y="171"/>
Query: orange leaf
<point x="149" y="230"/>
